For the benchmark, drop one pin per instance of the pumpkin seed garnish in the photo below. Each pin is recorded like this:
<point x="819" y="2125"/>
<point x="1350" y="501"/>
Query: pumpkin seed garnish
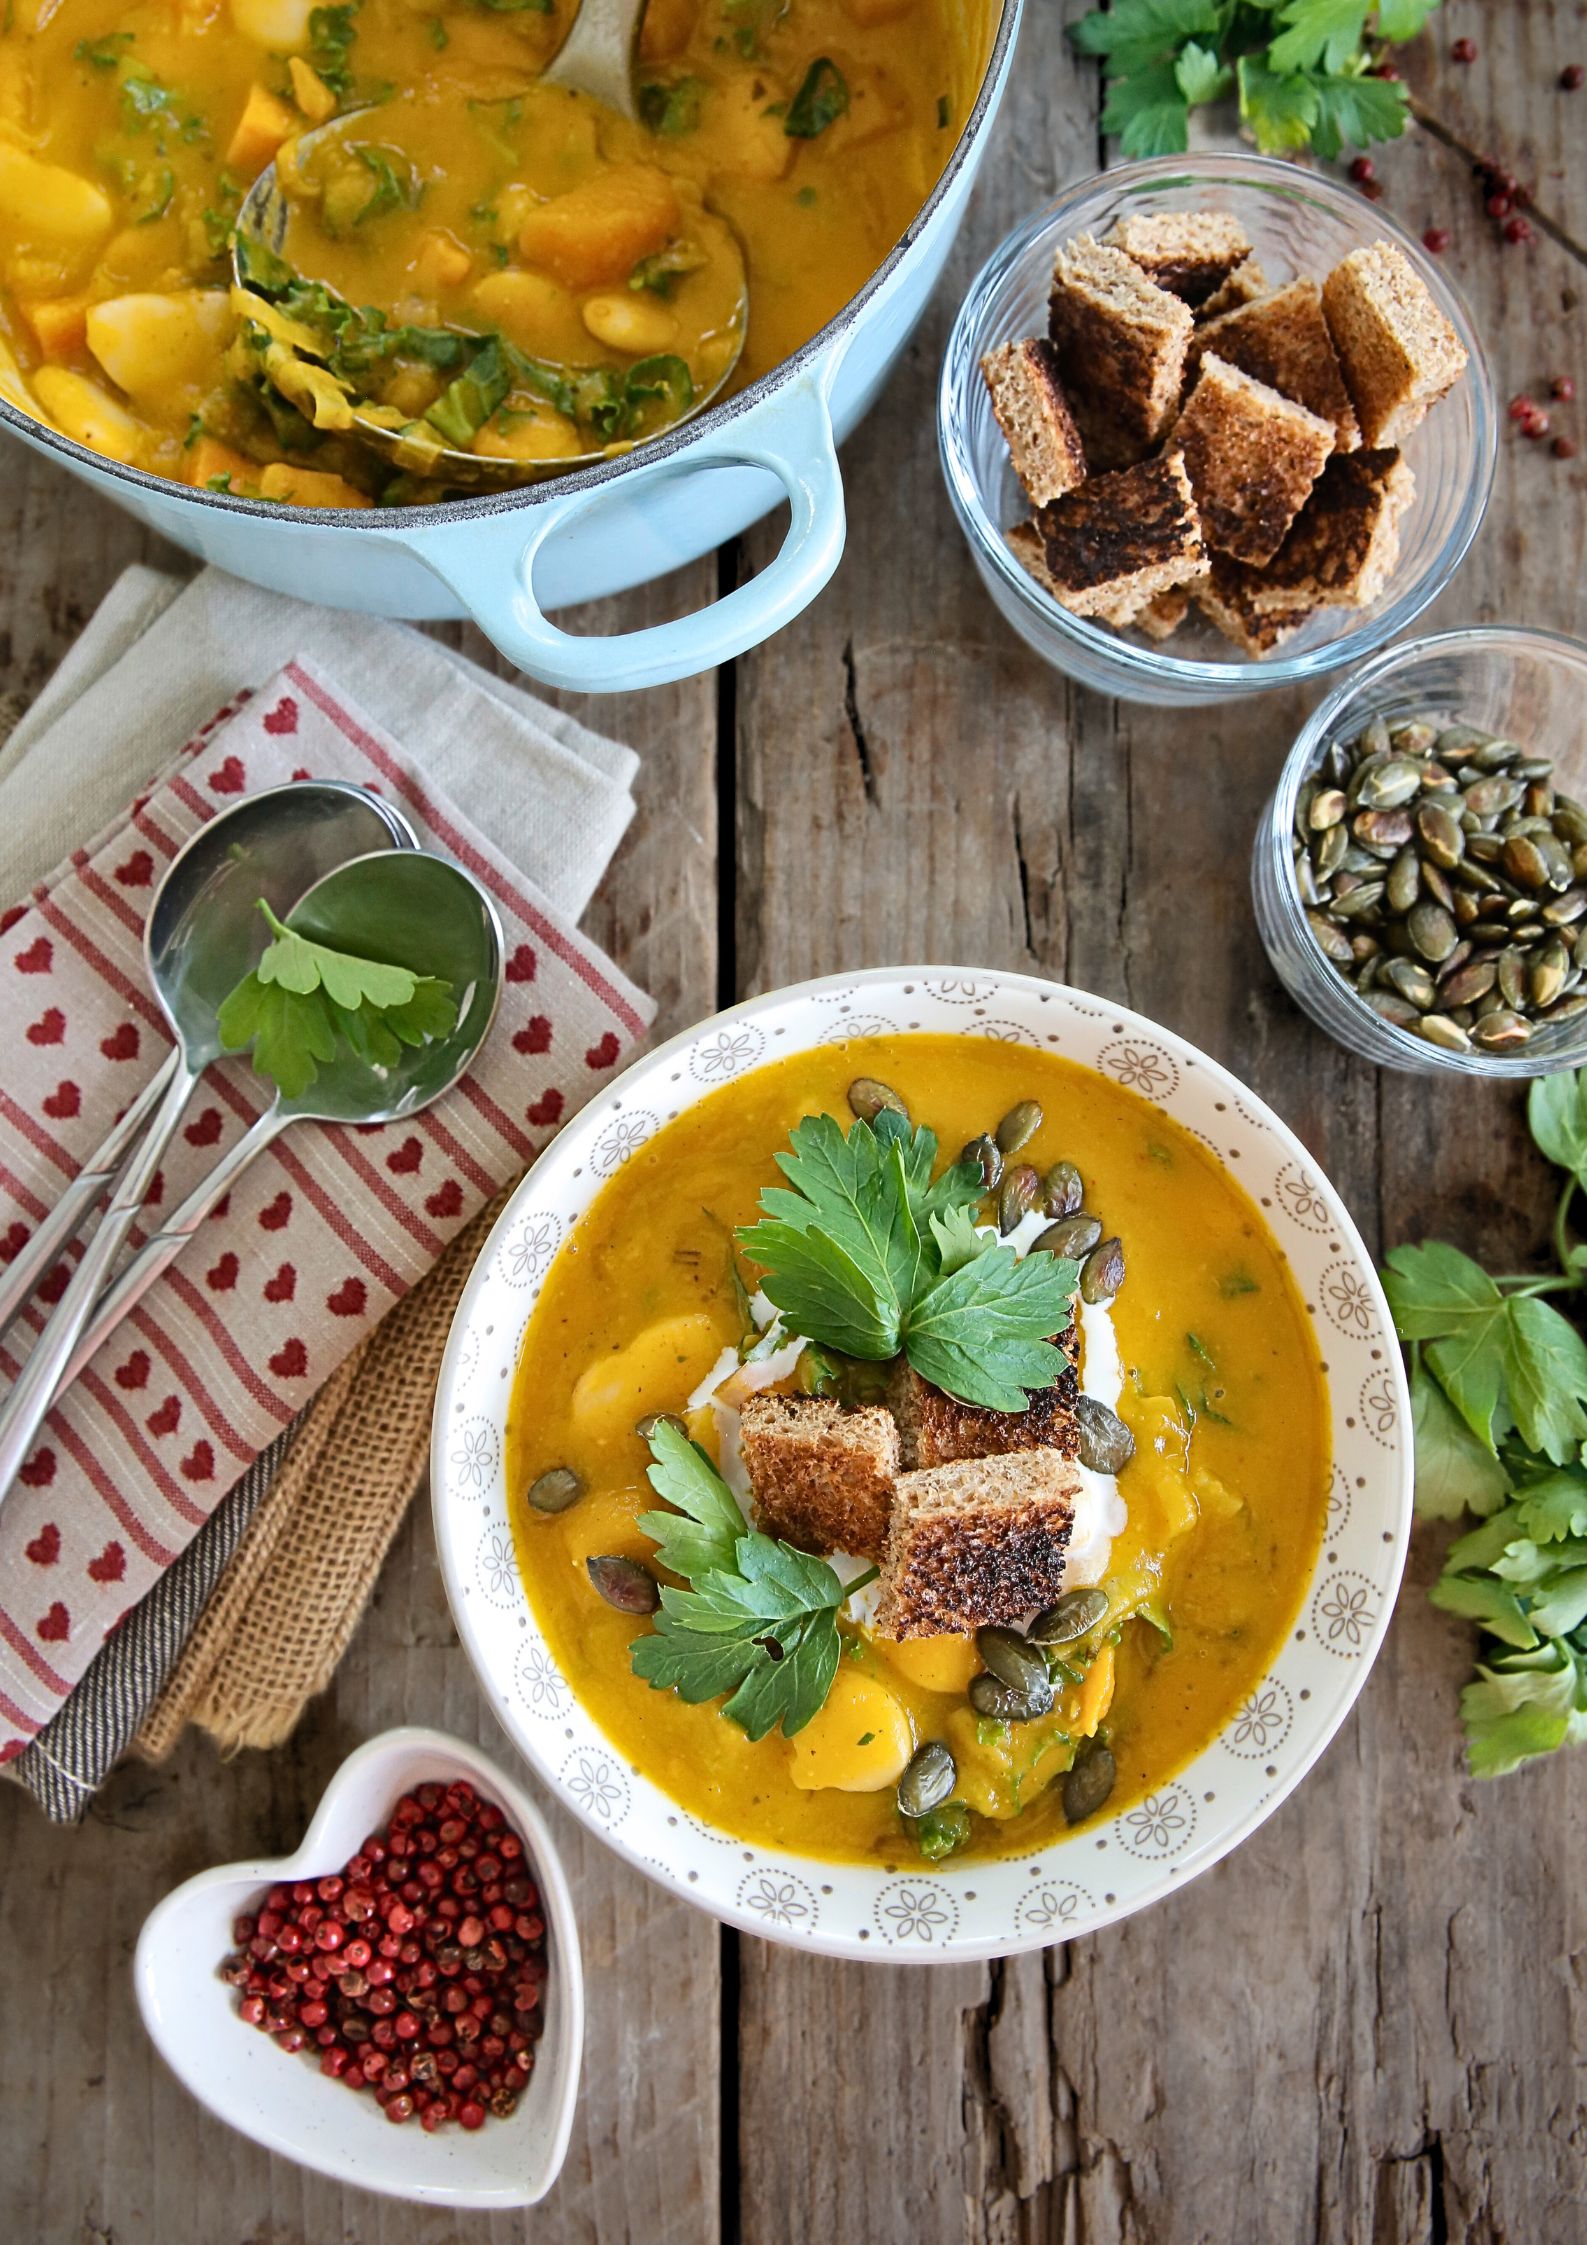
<point x="1018" y="1126"/>
<point x="869" y="1098"/>
<point x="557" y="1488"/>
<point x="1017" y="1196"/>
<point x="1013" y="1660"/>
<point x="1075" y="1616"/>
<point x="1106" y="1443"/>
<point x="624" y="1583"/>
<point x="986" y="1155"/>
<point x="1102" y="1273"/>
<point x="1074" y="1236"/>
<point x="647" y="1426"/>
<point x="1088" y="1784"/>
<point x="1063" y="1189"/>
<point x="989" y="1696"/>
<point x="929" y="1779"/>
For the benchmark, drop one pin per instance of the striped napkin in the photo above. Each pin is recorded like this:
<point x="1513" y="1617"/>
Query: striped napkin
<point x="326" y="1231"/>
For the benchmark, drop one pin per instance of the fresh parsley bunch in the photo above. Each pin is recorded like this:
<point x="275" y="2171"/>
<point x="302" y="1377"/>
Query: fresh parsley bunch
<point x="866" y="1254"/>
<point x="1299" y="69"/>
<point x="759" y="1620"/>
<point x="304" y="1000"/>
<point x="1499" y="1407"/>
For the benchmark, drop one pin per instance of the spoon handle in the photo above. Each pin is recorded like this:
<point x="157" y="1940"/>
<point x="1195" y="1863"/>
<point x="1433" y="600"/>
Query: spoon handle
<point x="161" y="1250"/>
<point x="35" y="1386"/>
<point x="21" y="1278"/>
<point x="597" y="56"/>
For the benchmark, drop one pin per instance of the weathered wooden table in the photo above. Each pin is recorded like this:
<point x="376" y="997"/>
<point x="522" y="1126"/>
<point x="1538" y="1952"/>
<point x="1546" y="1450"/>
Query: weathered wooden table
<point x="1368" y="2024"/>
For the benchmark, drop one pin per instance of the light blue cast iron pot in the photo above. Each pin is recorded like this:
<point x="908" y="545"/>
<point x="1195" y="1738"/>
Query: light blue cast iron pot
<point x="504" y="561"/>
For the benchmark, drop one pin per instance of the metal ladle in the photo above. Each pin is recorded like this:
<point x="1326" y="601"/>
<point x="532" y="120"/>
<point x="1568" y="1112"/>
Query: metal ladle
<point x="596" y="58"/>
<point x="203" y="934"/>
<point x="408" y="909"/>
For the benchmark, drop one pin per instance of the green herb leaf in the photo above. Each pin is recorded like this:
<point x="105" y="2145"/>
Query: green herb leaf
<point x="465" y="405"/>
<point x="1556" y="1109"/>
<point x="672" y="108"/>
<point x="823" y="98"/>
<point x="701" y="1535"/>
<point x="332" y="32"/>
<point x="1525" y="1705"/>
<point x="980" y="1332"/>
<point x="1149" y="112"/>
<point x="1357" y="110"/>
<point x="1455" y="1472"/>
<point x="1320" y="35"/>
<point x="943" y="1831"/>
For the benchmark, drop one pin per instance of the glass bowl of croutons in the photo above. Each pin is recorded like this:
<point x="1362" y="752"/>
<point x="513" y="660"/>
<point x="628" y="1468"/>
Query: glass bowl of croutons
<point x="1213" y="425"/>
<point x="1420" y="874"/>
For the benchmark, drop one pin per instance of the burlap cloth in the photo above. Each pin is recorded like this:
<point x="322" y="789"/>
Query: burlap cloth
<point x="294" y="1589"/>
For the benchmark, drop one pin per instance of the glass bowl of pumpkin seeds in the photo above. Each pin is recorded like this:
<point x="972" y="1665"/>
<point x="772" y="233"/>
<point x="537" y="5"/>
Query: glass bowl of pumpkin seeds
<point x="1420" y="876"/>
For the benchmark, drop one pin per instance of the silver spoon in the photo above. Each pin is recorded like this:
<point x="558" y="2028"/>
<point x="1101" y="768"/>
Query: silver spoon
<point x="408" y="909"/>
<point x="596" y="58"/>
<point x="202" y="935"/>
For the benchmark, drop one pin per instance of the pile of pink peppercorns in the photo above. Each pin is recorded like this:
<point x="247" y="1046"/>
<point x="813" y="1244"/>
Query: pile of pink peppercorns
<point x="416" y="1970"/>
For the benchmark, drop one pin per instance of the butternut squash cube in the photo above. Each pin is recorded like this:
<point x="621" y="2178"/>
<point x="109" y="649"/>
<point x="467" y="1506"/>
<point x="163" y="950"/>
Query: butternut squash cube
<point x="46" y="203"/>
<point x="441" y="262"/>
<point x="309" y="90"/>
<point x="596" y="234"/>
<point x="747" y="142"/>
<point x="308" y="487"/>
<point x="206" y="462"/>
<point x="152" y="345"/>
<point x="858" y="1742"/>
<point x="666" y="28"/>
<point x="80" y="409"/>
<point x="58" y="324"/>
<point x="264" y="124"/>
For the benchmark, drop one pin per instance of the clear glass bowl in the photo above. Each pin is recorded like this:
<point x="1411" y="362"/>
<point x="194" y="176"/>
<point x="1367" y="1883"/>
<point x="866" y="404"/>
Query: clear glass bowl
<point x="1301" y="224"/>
<point x="1528" y="685"/>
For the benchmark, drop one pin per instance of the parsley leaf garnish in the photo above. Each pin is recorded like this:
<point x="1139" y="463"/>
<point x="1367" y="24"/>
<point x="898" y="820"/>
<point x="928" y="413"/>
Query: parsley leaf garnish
<point x="303" y="1000"/>
<point x="823" y="98"/>
<point x="760" y="1620"/>
<point x="1499" y="1413"/>
<point x="1300" y="68"/>
<point x="863" y="1252"/>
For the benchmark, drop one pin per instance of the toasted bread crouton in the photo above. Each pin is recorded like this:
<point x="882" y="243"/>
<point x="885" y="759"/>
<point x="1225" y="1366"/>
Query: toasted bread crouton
<point x="1224" y="596"/>
<point x="1034" y="416"/>
<point x="1399" y="353"/>
<point x="1164" y="613"/>
<point x="1120" y="539"/>
<point x="1345" y="541"/>
<point x="978" y="1541"/>
<point x="1252" y="457"/>
<point x="1121" y="349"/>
<point x="822" y="1476"/>
<point x="1283" y="340"/>
<point x="936" y="1429"/>
<point x="1245" y="285"/>
<point x="1191" y="253"/>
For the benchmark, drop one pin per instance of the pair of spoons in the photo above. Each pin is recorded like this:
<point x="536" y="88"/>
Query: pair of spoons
<point x="343" y="868"/>
<point x="596" y="59"/>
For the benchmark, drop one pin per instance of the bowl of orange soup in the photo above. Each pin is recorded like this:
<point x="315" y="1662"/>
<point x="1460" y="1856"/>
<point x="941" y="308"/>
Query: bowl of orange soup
<point x="507" y="276"/>
<point x="922" y="1466"/>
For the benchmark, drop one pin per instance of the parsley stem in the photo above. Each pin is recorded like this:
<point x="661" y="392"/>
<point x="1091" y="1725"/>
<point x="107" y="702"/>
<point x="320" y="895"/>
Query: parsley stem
<point x="1561" y="1227"/>
<point x="1520" y="1283"/>
<point x="860" y="1582"/>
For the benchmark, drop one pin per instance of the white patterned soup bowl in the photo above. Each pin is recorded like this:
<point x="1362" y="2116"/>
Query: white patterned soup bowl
<point x="285" y="2103"/>
<point x="1153" y="1846"/>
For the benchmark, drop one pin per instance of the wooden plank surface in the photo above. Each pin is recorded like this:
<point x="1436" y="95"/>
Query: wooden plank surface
<point x="1370" y="2023"/>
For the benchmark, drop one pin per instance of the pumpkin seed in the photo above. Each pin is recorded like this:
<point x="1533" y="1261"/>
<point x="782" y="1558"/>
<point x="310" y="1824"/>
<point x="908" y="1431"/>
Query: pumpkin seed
<point x="927" y="1782"/>
<point x="869" y="1098"/>
<point x="1089" y="1783"/>
<point x="1358" y="901"/>
<point x="1413" y="737"/>
<point x="1432" y="931"/>
<point x="624" y="1583"/>
<point x="1501" y="1032"/>
<point x="1546" y="977"/>
<point x="1443" y="837"/>
<point x="1469" y="982"/>
<point x="1491" y="798"/>
<point x="1004" y="1704"/>
<point x="1074" y="1616"/>
<point x="1438" y="1029"/>
<point x="1378" y="830"/>
<point x="1018" y="1126"/>
<point x="1017" y="1195"/>
<point x="1102" y="1272"/>
<point x="557" y="1488"/>
<point x="1412" y="981"/>
<point x="1013" y="1660"/>
<point x="1525" y="862"/>
<point x="1063" y="1189"/>
<point x="1570" y="819"/>
<point x="1390" y="1006"/>
<point x="1327" y="808"/>
<point x="984" y="1153"/>
<point x="1328" y="852"/>
<point x="1074" y="1236"/>
<point x="1106" y="1443"/>
<point x="1564" y="911"/>
<point x="1385" y="786"/>
<point x="646" y="1427"/>
<point x="1404" y="884"/>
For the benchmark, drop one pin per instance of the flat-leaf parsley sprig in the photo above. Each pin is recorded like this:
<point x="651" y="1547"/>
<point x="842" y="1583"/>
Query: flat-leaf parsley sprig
<point x="303" y="999"/>
<point x="1499" y="1410"/>
<point x="865" y="1253"/>
<point x="759" y="1619"/>
<point x="1300" y="69"/>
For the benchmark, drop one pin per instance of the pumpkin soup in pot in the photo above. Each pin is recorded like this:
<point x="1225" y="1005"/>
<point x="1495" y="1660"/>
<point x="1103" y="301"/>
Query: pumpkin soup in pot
<point x="884" y="1500"/>
<point x="501" y="268"/>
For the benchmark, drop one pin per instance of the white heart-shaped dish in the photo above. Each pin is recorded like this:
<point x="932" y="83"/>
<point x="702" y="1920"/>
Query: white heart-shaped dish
<point x="285" y="2103"/>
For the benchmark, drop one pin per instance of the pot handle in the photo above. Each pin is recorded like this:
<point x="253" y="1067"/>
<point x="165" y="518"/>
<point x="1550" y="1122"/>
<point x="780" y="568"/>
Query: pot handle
<point x="791" y="435"/>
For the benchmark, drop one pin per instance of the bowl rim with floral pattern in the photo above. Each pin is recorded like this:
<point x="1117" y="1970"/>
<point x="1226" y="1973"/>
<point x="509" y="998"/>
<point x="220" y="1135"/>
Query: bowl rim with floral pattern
<point x="1104" y="1871"/>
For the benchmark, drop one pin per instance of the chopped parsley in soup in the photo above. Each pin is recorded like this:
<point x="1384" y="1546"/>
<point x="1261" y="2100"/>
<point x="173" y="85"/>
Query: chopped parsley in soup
<point x="917" y="1445"/>
<point x="471" y="261"/>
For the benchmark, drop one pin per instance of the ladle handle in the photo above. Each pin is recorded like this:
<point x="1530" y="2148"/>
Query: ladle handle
<point x="159" y="1252"/>
<point x="22" y="1277"/>
<point x="40" y="1377"/>
<point x="597" y="56"/>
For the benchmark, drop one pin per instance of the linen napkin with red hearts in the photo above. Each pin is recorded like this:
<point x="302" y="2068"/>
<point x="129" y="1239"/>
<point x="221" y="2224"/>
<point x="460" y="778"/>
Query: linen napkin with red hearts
<point x="326" y="1230"/>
